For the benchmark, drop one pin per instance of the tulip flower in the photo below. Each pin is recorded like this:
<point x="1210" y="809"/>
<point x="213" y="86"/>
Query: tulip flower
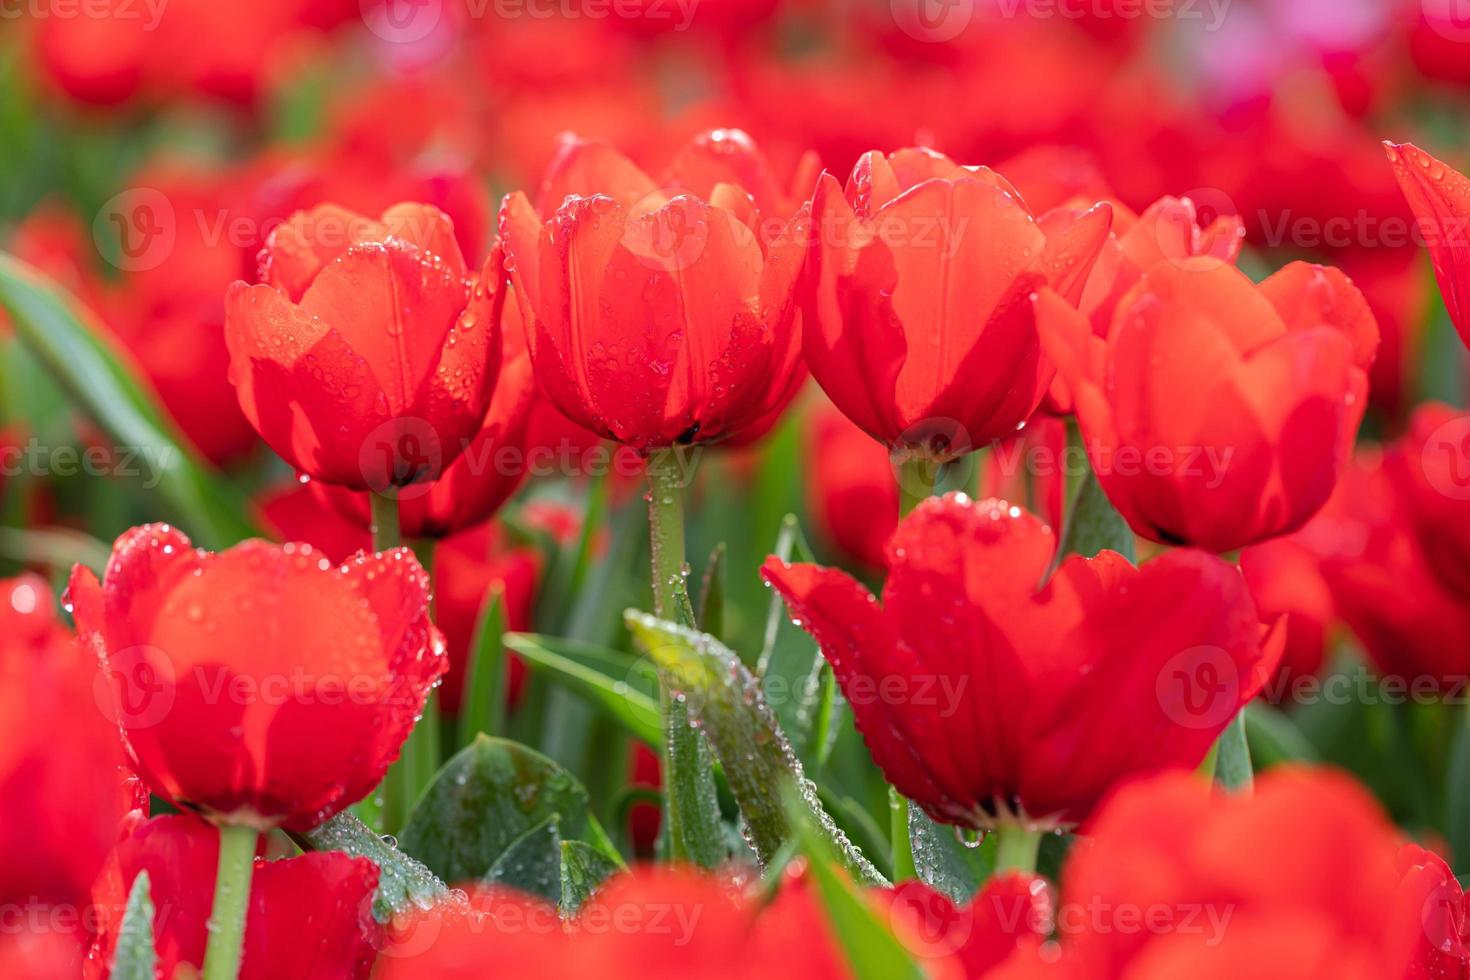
<point x="916" y="310"/>
<point x="263" y="685"/>
<point x="1053" y="691"/>
<point x="64" y="796"/>
<point x="1430" y="467"/>
<point x="492" y="466"/>
<point x="668" y="923"/>
<point x="1011" y="911"/>
<point x="1217" y="413"/>
<point x="1429" y="887"/>
<point x="656" y="316"/>
<point x="1231" y="886"/>
<point x="1440" y="198"/>
<point x="850" y="490"/>
<point x="367" y="355"/>
<point x="309" y="916"/>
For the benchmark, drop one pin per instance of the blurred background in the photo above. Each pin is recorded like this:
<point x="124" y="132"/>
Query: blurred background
<point x="148" y="147"/>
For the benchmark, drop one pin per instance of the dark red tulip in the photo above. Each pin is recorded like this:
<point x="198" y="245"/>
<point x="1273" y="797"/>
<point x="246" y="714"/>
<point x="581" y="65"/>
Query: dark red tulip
<point x="1175" y="880"/>
<point x="916" y="298"/>
<point x="493" y="465"/>
<point x="64" y="796"/>
<point x="309" y="916"/>
<point x="1430" y="467"/>
<point x="1217" y="413"/>
<point x="1285" y="580"/>
<point x="1440" y="198"/>
<point x="1430" y="888"/>
<point x="264" y="684"/>
<point x="1052" y="687"/>
<point x="655" y="316"/>
<point x="851" y="492"/>
<point x="367" y="355"/>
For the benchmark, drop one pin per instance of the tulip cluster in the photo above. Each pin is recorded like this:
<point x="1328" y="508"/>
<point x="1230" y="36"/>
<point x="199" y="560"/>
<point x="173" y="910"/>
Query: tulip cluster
<point x="938" y="493"/>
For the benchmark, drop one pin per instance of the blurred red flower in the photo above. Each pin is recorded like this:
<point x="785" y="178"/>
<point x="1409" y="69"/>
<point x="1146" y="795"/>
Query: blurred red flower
<point x="1217" y="413"/>
<point x="1052" y="687"/>
<point x="1440" y="198"/>
<point x="224" y="666"/>
<point x="657" y="315"/>
<point x="850" y="487"/>
<point x="916" y="298"/>
<point x="1430" y="468"/>
<point x="1430" y="888"/>
<point x="367" y="355"/>
<point x="64" y="795"/>
<point x="309" y="916"/>
<point x="1011" y="910"/>
<point x="651" y="923"/>
<point x="1174" y="880"/>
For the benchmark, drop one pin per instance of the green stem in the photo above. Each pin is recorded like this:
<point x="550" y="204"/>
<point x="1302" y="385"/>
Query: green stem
<point x="384" y="522"/>
<point x="917" y="478"/>
<point x="1016" y="848"/>
<point x="231" y="902"/>
<point x="691" y="813"/>
<point x="898" y="836"/>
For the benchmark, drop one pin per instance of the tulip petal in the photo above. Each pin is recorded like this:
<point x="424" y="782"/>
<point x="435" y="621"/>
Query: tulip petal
<point x="587" y="167"/>
<point x="1440" y="199"/>
<point x="1308" y="295"/>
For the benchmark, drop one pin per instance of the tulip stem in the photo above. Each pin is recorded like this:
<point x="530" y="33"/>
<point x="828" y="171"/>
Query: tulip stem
<point x="231" y="902"/>
<point x="691" y="810"/>
<point x="384" y="522"/>
<point x="917" y="478"/>
<point x="898" y="836"/>
<point x="1016" y="848"/>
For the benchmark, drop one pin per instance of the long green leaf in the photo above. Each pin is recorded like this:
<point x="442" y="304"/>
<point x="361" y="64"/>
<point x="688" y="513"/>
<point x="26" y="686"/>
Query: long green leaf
<point x="944" y="862"/>
<point x="627" y="689"/>
<point x="1092" y="524"/>
<point x="69" y="342"/>
<point x="583" y="870"/>
<point x="532" y="862"/>
<point x="1233" y="757"/>
<point x="725" y="698"/>
<point x="484" y="701"/>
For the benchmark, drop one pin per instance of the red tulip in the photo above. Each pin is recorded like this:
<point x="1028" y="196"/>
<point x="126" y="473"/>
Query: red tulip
<point x="1217" y="413"/>
<point x="1430" y="467"/>
<point x="1285" y="580"/>
<point x="294" y="512"/>
<point x="656" y="316"/>
<point x="1430" y="888"/>
<point x="1384" y="587"/>
<point x="263" y="684"/>
<point x="1011" y="910"/>
<point x="467" y="566"/>
<point x="367" y="356"/>
<point x="1055" y="691"/>
<point x="1440" y="198"/>
<point x="651" y="924"/>
<point x="64" y="795"/>
<point x="492" y="466"/>
<point x="309" y="916"/>
<point x="851" y="493"/>
<point x="1174" y="880"/>
<point x="918" y="322"/>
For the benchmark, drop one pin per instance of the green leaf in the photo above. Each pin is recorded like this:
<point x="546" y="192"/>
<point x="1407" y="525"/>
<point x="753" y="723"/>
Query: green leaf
<point x="484" y="699"/>
<point x="1457" y="791"/>
<point x="485" y="798"/>
<point x="583" y="870"/>
<point x="135" y="957"/>
<point x="945" y="863"/>
<point x="532" y="862"/>
<point x="726" y="700"/>
<point x="403" y="883"/>
<point x="792" y="670"/>
<point x="870" y="947"/>
<point x="68" y="342"/>
<point x="625" y="687"/>
<point x="711" y="614"/>
<point x="1233" y="757"/>
<point x="1274" y="738"/>
<point x="1092" y="524"/>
